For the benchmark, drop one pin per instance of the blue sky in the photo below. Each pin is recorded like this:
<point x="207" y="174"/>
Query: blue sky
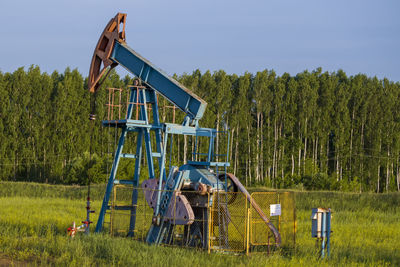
<point x="236" y="36"/>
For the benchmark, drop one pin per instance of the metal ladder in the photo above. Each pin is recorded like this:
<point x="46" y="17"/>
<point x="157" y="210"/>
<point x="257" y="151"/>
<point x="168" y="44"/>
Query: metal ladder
<point x="139" y="97"/>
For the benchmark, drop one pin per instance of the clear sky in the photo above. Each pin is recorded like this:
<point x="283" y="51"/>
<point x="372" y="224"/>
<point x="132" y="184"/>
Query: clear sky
<point x="358" y="36"/>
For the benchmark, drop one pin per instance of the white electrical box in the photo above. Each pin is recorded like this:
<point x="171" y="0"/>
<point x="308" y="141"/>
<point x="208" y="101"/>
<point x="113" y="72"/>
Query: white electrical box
<point x="318" y="225"/>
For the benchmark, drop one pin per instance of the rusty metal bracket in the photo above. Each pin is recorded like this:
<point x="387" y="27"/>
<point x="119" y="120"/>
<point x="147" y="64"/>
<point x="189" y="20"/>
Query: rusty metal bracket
<point x="101" y="56"/>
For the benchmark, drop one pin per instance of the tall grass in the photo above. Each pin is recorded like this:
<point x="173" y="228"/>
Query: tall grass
<point x="34" y="219"/>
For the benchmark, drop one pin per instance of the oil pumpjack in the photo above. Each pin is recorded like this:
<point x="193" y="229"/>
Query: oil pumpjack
<point x="166" y="194"/>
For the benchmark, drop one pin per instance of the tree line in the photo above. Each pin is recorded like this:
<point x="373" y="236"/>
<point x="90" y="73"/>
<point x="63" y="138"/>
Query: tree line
<point x="314" y="130"/>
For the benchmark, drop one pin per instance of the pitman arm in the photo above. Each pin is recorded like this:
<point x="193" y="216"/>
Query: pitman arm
<point x="112" y="50"/>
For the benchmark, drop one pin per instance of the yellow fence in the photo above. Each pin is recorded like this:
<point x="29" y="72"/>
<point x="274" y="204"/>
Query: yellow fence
<point x="223" y="221"/>
<point x="261" y="238"/>
<point x="228" y="222"/>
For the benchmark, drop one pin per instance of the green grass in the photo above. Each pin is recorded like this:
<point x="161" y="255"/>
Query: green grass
<point x="34" y="219"/>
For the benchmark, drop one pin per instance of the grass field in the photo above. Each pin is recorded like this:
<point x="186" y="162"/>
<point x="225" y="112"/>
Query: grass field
<point x="34" y="219"/>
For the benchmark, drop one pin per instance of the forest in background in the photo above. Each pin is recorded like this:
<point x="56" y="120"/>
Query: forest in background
<point x="315" y="130"/>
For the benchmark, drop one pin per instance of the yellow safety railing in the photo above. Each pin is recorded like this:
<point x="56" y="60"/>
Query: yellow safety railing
<point x="227" y="222"/>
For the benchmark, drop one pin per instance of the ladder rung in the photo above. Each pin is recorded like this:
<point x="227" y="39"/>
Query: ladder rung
<point x="129" y="182"/>
<point x="156" y="154"/>
<point x="127" y="155"/>
<point x="139" y="121"/>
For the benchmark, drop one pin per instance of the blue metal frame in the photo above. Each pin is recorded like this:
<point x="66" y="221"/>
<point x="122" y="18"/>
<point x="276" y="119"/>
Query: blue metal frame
<point x="187" y="101"/>
<point x="142" y="127"/>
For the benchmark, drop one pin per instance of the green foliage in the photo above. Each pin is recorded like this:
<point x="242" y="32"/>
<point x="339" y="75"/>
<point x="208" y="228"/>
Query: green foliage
<point x="316" y="130"/>
<point x="85" y="166"/>
<point x="318" y="181"/>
